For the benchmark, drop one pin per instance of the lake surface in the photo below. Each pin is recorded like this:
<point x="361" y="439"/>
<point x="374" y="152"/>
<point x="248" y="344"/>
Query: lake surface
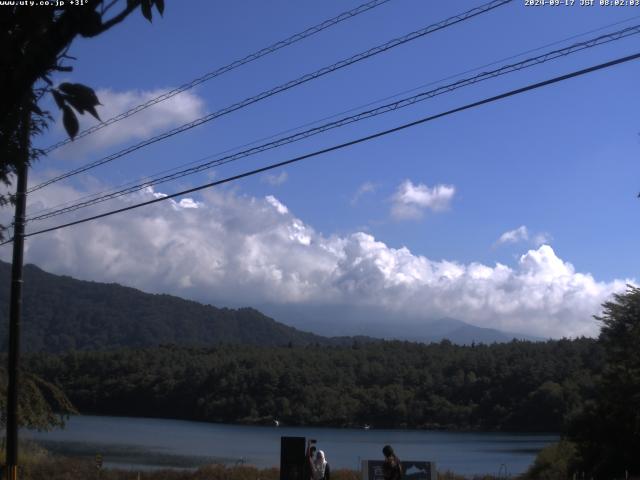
<point x="144" y="443"/>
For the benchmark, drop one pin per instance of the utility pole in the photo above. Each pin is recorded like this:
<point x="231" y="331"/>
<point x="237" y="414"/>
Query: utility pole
<point x="15" y="306"/>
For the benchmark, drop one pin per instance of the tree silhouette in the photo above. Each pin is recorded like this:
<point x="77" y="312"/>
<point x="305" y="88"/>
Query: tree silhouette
<point x="35" y="43"/>
<point x="608" y="432"/>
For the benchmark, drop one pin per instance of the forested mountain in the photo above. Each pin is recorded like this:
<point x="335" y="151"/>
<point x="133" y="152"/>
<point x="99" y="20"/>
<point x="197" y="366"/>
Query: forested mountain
<point x="61" y="313"/>
<point x="117" y="350"/>
<point x="522" y="386"/>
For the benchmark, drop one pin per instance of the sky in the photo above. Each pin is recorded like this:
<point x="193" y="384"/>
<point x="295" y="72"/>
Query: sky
<point x="520" y="215"/>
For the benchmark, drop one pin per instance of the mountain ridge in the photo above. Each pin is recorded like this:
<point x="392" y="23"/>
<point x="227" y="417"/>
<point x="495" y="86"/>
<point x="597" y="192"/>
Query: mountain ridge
<point x="61" y="313"/>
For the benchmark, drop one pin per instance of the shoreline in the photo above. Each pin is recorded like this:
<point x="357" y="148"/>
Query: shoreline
<point x="140" y="443"/>
<point x="269" y="425"/>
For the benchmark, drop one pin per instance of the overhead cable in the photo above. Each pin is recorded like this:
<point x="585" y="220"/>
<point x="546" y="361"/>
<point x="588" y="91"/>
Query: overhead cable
<point x="281" y="88"/>
<point x="225" y="69"/>
<point x="405" y="102"/>
<point x="382" y="133"/>
<point x="315" y="122"/>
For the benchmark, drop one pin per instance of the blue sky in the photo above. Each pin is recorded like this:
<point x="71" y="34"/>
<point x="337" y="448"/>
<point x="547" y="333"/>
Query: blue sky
<point x="556" y="167"/>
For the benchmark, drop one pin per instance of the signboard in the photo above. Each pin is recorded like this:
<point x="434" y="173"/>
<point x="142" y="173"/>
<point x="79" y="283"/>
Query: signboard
<point x="411" y="470"/>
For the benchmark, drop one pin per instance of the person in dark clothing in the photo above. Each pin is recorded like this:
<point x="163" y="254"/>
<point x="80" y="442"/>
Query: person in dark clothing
<point x="392" y="468"/>
<point x="309" y="462"/>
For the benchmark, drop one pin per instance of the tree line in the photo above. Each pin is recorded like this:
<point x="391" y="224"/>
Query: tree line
<point x="517" y="386"/>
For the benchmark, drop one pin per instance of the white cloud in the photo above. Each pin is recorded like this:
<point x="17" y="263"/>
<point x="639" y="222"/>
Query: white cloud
<point x="275" y="180"/>
<point x="177" y="110"/>
<point x="522" y="234"/>
<point x="189" y="203"/>
<point x="280" y="208"/>
<point x="249" y="250"/>
<point x="541" y="239"/>
<point x="410" y="201"/>
<point x="512" y="236"/>
<point x="366" y="187"/>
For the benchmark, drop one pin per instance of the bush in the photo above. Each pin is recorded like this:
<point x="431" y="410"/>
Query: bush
<point x="555" y="462"/>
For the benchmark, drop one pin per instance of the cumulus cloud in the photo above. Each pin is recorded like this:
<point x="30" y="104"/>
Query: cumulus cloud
<point x="521" y="234"/>
<point x="177" y="110"/>
<point x="410" y="201"/>
<point x="246" y="250"/>
<point x="513" y="236"/>
<point x="275" y="180"/>
<point x="366" y="187"/>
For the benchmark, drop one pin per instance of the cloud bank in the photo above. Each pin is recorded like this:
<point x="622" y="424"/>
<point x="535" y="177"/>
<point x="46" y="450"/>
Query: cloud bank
<point x="226" y="247"/>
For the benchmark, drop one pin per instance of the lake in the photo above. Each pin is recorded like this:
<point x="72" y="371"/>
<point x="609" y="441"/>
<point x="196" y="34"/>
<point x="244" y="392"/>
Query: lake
<point x="147" y="443"/>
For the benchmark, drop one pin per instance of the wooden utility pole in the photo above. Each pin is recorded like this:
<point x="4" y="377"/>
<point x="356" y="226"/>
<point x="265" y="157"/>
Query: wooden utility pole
<point x="15" y="305"/>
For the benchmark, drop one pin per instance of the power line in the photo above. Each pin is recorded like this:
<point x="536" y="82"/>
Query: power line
<point x="225" y="69"/>
<point x="405" y="102"/>
<point x="281" y="88"/>
<point x="348" y="144"/>
<point x="308" y="124"/>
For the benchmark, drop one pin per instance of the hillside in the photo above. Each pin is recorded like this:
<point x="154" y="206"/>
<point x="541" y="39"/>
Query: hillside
<point x="518" y="386"/>
<point x="61" y="313"/>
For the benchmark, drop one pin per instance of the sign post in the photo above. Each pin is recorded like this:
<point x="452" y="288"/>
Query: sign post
<point x="292" y="458"/>
<point x="411" y="470"/>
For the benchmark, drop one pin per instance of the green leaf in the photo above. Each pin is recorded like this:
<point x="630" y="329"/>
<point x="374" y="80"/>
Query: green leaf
<point x="58" y="97"/>
<point x="70" y="121"/>
<point x="85" y="95"/>
<point x="75" y="103"/>
<point x="146" y="9"/>
<point x="80" y="97"/>
<point x="92" y="111"/>
<point x="160" y="6"/>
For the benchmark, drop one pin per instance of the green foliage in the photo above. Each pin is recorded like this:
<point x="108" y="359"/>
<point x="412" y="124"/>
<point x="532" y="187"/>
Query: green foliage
<point x="78" y="96"/>
<point x="41" y="404"/>
<point x="607" y="430"/>
<point x="30" y="453"/>
<point x="385" y="384"/>
<point x="554" y="462"/>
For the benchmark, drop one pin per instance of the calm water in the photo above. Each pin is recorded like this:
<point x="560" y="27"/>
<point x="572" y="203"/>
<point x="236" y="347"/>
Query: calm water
<point x="143" y="443"/>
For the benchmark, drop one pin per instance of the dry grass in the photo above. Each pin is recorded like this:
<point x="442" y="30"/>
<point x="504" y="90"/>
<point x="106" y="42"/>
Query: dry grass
<point x="61" y="468"/>
<point x="37" y="465"/>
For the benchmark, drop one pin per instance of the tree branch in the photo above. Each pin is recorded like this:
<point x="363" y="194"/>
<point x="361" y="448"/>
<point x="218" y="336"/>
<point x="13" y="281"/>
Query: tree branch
<point x="131" y="6"/>
<point x="105" y="9"/>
